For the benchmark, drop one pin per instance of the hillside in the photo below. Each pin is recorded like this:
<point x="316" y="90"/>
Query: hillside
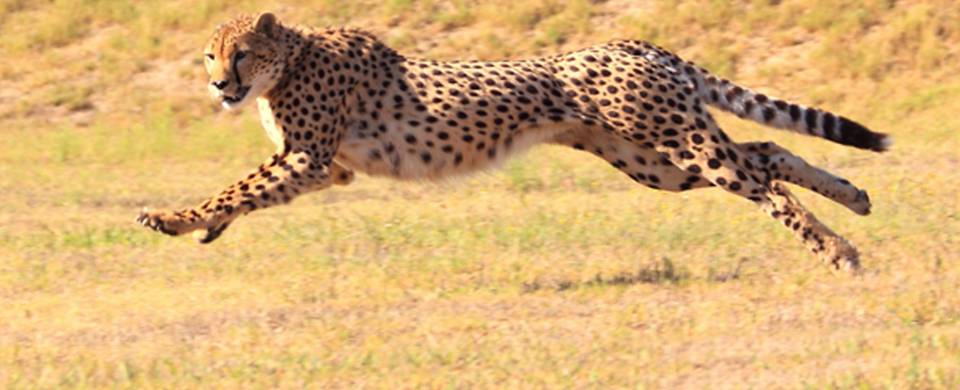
<point x="80" y="62"/>
<point x="555" y="272"/>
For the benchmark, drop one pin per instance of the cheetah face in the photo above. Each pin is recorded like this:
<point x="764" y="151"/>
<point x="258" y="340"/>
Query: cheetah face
<point x="244" y="61"/>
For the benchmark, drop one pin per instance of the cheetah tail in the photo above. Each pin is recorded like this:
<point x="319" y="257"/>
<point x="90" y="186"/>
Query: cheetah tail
<point x="780" y="114"/>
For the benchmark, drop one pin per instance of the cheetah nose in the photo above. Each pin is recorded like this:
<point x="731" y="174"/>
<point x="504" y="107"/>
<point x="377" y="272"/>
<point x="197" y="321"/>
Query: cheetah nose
<point x="221" y="84"/>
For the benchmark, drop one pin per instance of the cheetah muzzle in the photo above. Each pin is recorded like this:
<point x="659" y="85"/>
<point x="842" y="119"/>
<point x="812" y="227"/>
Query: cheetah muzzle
<point x="241" y="94"/>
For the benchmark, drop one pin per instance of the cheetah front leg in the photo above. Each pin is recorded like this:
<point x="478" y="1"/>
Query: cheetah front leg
<point x="278" y="181"/>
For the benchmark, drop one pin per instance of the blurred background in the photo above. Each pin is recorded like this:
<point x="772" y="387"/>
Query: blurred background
<point x="556" y="271"/>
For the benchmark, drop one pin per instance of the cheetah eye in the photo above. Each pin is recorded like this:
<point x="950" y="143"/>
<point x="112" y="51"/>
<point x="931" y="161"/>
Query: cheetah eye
<point x="240" y="55"/>
<point x="209" y="56"/>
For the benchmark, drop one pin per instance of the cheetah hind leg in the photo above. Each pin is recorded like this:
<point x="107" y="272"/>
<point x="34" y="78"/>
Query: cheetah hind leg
<point x="781" y="165"/>
<point x="653" y="169"/>
<point x="671" y="170"/>
<point x="772" y="196"/>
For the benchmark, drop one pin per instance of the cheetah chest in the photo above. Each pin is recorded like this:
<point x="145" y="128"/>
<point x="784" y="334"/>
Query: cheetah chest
<point x="268" y="123"/>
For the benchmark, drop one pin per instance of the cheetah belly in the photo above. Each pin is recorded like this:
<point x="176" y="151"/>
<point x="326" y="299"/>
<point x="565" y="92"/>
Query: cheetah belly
<point x="391" y="153"/>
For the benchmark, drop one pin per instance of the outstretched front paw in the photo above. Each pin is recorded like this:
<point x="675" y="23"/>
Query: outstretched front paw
<point x="167" y="223"/>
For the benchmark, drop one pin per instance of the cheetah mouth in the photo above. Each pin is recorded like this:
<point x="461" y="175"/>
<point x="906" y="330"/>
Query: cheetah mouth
<point x="232" y="100"/>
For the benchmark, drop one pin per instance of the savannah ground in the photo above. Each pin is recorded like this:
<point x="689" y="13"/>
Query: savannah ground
<point x="556" y="271"/>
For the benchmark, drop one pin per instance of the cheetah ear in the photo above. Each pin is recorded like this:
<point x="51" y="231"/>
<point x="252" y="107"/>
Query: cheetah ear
<point x="266" y="24"/>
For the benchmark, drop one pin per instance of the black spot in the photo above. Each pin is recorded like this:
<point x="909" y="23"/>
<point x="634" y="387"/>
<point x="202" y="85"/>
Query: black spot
<point x="733" y="93"/>
<point x="768" y="114"/>
<point x="701" y="124"/>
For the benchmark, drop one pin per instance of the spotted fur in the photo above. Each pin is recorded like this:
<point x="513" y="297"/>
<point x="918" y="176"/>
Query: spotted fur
<point x="335" y="101"/>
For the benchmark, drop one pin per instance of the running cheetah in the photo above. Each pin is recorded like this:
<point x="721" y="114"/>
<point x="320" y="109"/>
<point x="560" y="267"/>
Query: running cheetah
<point x="335" y="101"/>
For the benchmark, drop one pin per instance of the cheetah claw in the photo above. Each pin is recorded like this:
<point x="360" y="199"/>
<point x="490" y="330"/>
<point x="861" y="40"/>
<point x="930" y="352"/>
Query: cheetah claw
<point x="154" y="223"/>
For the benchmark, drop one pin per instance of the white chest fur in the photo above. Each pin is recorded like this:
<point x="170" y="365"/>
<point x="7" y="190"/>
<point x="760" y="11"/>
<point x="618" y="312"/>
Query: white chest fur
<point x="267" y="121"/>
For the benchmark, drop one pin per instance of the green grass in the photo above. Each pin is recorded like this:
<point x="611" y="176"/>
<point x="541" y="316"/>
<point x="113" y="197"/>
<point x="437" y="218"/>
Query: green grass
<point x="555" y="271"/>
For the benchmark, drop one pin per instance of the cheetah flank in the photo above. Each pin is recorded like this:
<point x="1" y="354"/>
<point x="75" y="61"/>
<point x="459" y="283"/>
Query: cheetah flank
<point x="335" y="101"/>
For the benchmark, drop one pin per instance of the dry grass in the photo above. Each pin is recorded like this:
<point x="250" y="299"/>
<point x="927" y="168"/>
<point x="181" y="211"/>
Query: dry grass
<point x="554" y="272"/>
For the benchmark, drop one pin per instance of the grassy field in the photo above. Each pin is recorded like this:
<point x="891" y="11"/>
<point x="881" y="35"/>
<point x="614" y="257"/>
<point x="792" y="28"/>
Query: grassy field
<point x="555" y="272"/>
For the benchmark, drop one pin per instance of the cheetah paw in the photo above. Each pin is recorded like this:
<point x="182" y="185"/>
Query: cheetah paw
<point x="165" y="223"/>
<point x="156" y="221"/>
<point x="843" y="257"/>
<point x="861" y="203"/>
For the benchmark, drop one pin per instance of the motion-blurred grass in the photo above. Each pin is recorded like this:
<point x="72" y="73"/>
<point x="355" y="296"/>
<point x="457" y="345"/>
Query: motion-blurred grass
<point x="555" y="271"/>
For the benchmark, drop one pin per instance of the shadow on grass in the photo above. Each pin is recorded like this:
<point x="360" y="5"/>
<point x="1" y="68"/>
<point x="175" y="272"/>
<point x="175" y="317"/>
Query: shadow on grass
<point x="664" y="272"/>
<point x="715" y="276"/>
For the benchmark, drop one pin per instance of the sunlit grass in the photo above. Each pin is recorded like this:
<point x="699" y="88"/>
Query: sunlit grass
<point x="555" y="271"/>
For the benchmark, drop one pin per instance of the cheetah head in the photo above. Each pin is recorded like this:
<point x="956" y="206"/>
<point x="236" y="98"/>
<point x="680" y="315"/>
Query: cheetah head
<point x="245" y="59"/>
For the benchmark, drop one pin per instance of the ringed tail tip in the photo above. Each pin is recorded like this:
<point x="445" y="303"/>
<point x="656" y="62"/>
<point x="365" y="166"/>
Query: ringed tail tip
<point x="856" y="135"/>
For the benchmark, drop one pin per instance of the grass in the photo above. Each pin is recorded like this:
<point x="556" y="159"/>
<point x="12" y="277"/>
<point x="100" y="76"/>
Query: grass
<point x="555" y="271"/>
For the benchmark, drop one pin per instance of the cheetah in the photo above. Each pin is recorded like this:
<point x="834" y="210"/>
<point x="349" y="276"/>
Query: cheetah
<point x="336" y="101"/>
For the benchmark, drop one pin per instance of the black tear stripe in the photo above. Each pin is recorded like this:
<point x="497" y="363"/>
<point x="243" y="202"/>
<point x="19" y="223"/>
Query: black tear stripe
<point x="236" y="71"/>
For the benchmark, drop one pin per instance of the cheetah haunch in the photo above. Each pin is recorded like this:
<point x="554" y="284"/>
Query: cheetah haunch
<point x="338" y="101"/>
